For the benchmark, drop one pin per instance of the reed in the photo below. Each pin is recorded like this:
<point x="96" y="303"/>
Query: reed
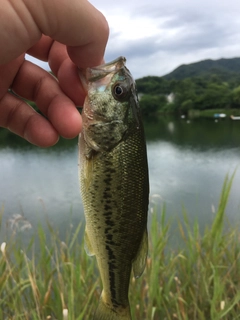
<point x="199" y="280"/>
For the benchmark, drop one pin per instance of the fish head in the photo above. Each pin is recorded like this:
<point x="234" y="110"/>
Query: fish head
<point x="111" y="107"/>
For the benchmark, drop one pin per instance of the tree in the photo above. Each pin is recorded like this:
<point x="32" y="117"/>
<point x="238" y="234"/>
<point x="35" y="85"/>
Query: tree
<point x="153" y="85"/>
<point x="216" y="96"/>
<point x="151" y="104"/>
<point x="235" y="97"/>
<point x="185" y="90"/>
<point x="186" y="106"/>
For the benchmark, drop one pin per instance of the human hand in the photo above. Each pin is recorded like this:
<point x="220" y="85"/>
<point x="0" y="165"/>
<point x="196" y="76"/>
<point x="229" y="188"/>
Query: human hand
<point x="65" y="33"/>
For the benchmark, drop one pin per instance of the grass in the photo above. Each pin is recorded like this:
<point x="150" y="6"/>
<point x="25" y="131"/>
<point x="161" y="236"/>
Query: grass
<point x="200" y="280"/>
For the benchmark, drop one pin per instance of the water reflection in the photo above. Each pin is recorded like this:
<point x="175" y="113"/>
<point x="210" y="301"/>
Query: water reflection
<point x="188" y="162"/>
<point x="202" y="134"/>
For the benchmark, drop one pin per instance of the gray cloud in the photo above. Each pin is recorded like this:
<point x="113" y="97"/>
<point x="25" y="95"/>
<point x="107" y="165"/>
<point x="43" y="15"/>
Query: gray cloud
<point x="132" y="48"/>
<point x="189" y="38"/>
<point x="179" y="31"/>
<point x="188" y="31"/>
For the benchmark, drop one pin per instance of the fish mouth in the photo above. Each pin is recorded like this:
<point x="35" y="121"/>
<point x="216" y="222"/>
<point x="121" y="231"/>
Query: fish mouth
<point x="101" y="72"/>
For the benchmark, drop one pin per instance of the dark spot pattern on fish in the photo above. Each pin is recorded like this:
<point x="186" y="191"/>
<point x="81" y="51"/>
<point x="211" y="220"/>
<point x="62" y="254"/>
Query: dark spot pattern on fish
<point x="115" y="185"/>
<point x="107" y="230"/>
<point x="110" y="252"/>
<point x="109" y="222"/>
<point x="107" y="207"/>
<point x="108" y="179"/>
<point x="110" y="237"/>
<point x="107" y="195"/>
<point x="112" y="278"/>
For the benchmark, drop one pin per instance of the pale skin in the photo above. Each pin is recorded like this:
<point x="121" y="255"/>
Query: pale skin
<point x="66" y="33"/>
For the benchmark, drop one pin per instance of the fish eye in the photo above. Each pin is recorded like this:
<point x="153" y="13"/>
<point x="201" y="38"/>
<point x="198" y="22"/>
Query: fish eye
<point x="119" y="91"/>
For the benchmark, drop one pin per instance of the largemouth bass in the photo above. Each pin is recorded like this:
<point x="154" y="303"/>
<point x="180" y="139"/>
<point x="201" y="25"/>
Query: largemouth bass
<point x="114" y="183"/>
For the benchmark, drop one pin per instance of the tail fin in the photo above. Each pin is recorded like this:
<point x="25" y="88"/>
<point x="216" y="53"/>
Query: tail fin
<point x="103" y="312"/>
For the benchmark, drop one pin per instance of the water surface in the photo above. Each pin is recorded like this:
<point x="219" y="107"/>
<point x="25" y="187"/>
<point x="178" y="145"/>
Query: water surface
<point x="188" y="162"/>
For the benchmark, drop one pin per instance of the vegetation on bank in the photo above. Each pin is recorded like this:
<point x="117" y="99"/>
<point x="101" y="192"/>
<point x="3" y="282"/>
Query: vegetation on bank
<point x="201" y="86"/>
<point x="200" y="280"/>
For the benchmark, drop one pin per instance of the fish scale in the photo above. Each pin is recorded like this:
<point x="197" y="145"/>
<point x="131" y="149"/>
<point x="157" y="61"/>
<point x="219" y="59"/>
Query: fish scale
<point x="114" y="188"/>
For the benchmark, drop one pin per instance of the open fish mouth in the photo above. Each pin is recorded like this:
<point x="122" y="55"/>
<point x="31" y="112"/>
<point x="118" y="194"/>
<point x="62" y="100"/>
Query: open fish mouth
<point x="101" y="73"/>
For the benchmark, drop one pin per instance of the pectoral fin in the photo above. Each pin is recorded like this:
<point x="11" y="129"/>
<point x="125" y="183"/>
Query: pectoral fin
<point x="140" y="260"/>
<point x="87" y="245"/>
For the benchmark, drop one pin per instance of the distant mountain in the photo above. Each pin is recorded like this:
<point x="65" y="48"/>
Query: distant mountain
<point x="223" y="68"/>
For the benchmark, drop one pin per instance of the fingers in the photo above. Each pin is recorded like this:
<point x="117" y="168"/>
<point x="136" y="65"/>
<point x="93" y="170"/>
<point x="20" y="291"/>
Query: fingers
<point x="37" y="85"/>
<point x="20" y="118"/>
<point x="7" y="74"/>
<point x="66" y="72"/>
<point x="57" y="55"/>
<point x="63" y="68"/>
<point x="91" y="51"/>
<point x="75" y="23"/>
<point x="18" y="30"/>
<point x="41" y="49"/>
<point x="70" y="83"/>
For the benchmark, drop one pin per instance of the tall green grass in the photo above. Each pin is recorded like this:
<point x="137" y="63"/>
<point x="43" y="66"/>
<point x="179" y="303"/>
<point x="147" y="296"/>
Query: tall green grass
<point x="200" y="280"/>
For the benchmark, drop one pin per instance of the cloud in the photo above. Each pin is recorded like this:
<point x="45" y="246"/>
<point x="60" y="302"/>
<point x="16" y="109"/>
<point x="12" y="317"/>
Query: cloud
<point x="158" y="36"/>
<point x="133" y="48"/>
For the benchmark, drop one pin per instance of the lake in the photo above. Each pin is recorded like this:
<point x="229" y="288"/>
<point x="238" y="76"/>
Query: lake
<point x="188" y="162"/>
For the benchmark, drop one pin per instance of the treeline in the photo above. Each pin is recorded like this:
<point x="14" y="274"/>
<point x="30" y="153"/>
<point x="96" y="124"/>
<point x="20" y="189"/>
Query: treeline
<point x="163" y="95"/>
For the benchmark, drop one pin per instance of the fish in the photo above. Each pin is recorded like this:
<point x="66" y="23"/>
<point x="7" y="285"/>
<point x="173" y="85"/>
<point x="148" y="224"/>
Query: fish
<point x="114" y="180"/>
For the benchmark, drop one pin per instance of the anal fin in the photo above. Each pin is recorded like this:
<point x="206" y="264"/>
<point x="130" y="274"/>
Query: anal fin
<point x="87" y="244"/>
<point x="139" y="261"/>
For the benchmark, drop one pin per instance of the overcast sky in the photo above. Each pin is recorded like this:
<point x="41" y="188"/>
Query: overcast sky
<point x="156" y="36"/>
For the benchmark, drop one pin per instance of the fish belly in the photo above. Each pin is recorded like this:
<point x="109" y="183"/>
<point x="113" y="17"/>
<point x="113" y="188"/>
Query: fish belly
<point x="114" y="187"/>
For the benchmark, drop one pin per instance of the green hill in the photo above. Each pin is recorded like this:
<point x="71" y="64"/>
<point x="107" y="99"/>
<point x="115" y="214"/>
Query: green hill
<point x="223" y="68"/>
<point x="208" y="84"/>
